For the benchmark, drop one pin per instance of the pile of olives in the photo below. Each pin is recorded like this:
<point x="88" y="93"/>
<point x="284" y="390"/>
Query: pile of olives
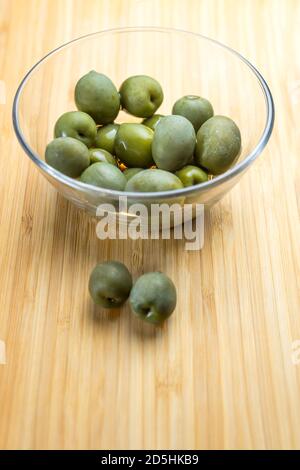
<point x="161" y="153"/>
<point x="152" y="298"/>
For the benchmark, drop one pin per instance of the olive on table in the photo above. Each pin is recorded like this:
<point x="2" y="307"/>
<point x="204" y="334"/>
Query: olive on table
<point x="101" y="155"/>
<point x="173" y="143"/>
<point x="110" y="284"/>
<point x="152" y="121"/>
<point x="153" y="297"/>
<point x="190" y="175"/>
<point x="195" y="108"/>
<point x="130" y="172"/>
<point x="153" y="180"/>
<point x="76" y="124"/>
<point x="104" y="175"/>
<point x="133" y="145"/>
<point x="141" y="95"/>
<point x="105" y="138"/>
<point x="96" y="95"/>
<point x="67" y="155"/>
<point x="218" y="144"/>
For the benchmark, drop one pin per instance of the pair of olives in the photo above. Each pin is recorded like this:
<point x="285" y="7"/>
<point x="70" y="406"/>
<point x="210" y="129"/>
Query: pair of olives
<point x="152" y="298"/>
<point x="161" y="153"/>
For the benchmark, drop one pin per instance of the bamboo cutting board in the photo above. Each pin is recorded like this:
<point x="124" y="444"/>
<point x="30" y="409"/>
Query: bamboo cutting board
<point x="224" y="372"/>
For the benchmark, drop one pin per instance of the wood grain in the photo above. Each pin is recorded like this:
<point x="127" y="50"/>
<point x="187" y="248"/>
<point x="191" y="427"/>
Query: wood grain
<point x="219" y="374"/>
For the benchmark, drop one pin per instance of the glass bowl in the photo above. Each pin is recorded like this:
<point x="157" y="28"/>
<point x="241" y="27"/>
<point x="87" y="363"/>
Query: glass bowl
<point x="183" y="62"/>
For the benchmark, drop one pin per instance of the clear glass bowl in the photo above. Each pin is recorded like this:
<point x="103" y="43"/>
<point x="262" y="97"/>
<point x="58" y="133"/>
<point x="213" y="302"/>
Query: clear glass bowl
<point x="183" y="62"/>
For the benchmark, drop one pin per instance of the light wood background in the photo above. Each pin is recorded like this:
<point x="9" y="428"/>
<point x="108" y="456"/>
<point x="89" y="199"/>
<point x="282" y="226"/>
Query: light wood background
<point x="220" y="373"/>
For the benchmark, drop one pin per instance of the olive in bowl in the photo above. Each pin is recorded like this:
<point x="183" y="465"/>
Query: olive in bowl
<point x="67" y="155"/>
<point x="101" y="155"/>
<point x="105" y="138"/>
<point x="152" y="121"/>
<point x="218" y="144"/>
<point x="190" y="175"/>
<point x="153" y="297"/>
<point x="153" y="180"/>
<point x="130" y="172"/>
<point x="96" y="95"/>
<point x="141" y="95"/>
<point x="195" y="108"/>
<point x="110" y="284"/>
<point x="104" y="175"/>
<point x="133" y="145"/>
<point x="78" y="125"/>
<point x="173" y="143"/>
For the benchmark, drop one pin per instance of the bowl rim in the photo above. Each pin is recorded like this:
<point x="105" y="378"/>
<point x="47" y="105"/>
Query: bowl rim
<point x="216" y="181"/>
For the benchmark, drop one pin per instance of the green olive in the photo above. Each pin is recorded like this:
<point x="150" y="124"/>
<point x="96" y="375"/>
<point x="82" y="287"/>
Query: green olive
<point x="96" y="95"/>
<point x="105" y="138"/>
<point x="67" y="155"/>
<point x="190" y="175"/>
<point x="101" y="155"/>
<point x="196" y="109"/>
<point x="173" y="143"/>
<point x="104" y="175"/>
<point x="152" y="121"/>
<point x="153" y="181"/>
<point x="218" y="144"/>
<point x="133" y="145"/>
<point x="130" y="172"/>
<point x="110" y="284"/>
<point x="141" y="95"/>
<point x="153" y="297"/>
<point x="78" y="125"/>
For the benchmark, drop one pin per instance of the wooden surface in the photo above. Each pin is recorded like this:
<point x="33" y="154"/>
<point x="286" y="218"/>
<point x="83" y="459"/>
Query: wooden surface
<point x="220" y="373"/>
